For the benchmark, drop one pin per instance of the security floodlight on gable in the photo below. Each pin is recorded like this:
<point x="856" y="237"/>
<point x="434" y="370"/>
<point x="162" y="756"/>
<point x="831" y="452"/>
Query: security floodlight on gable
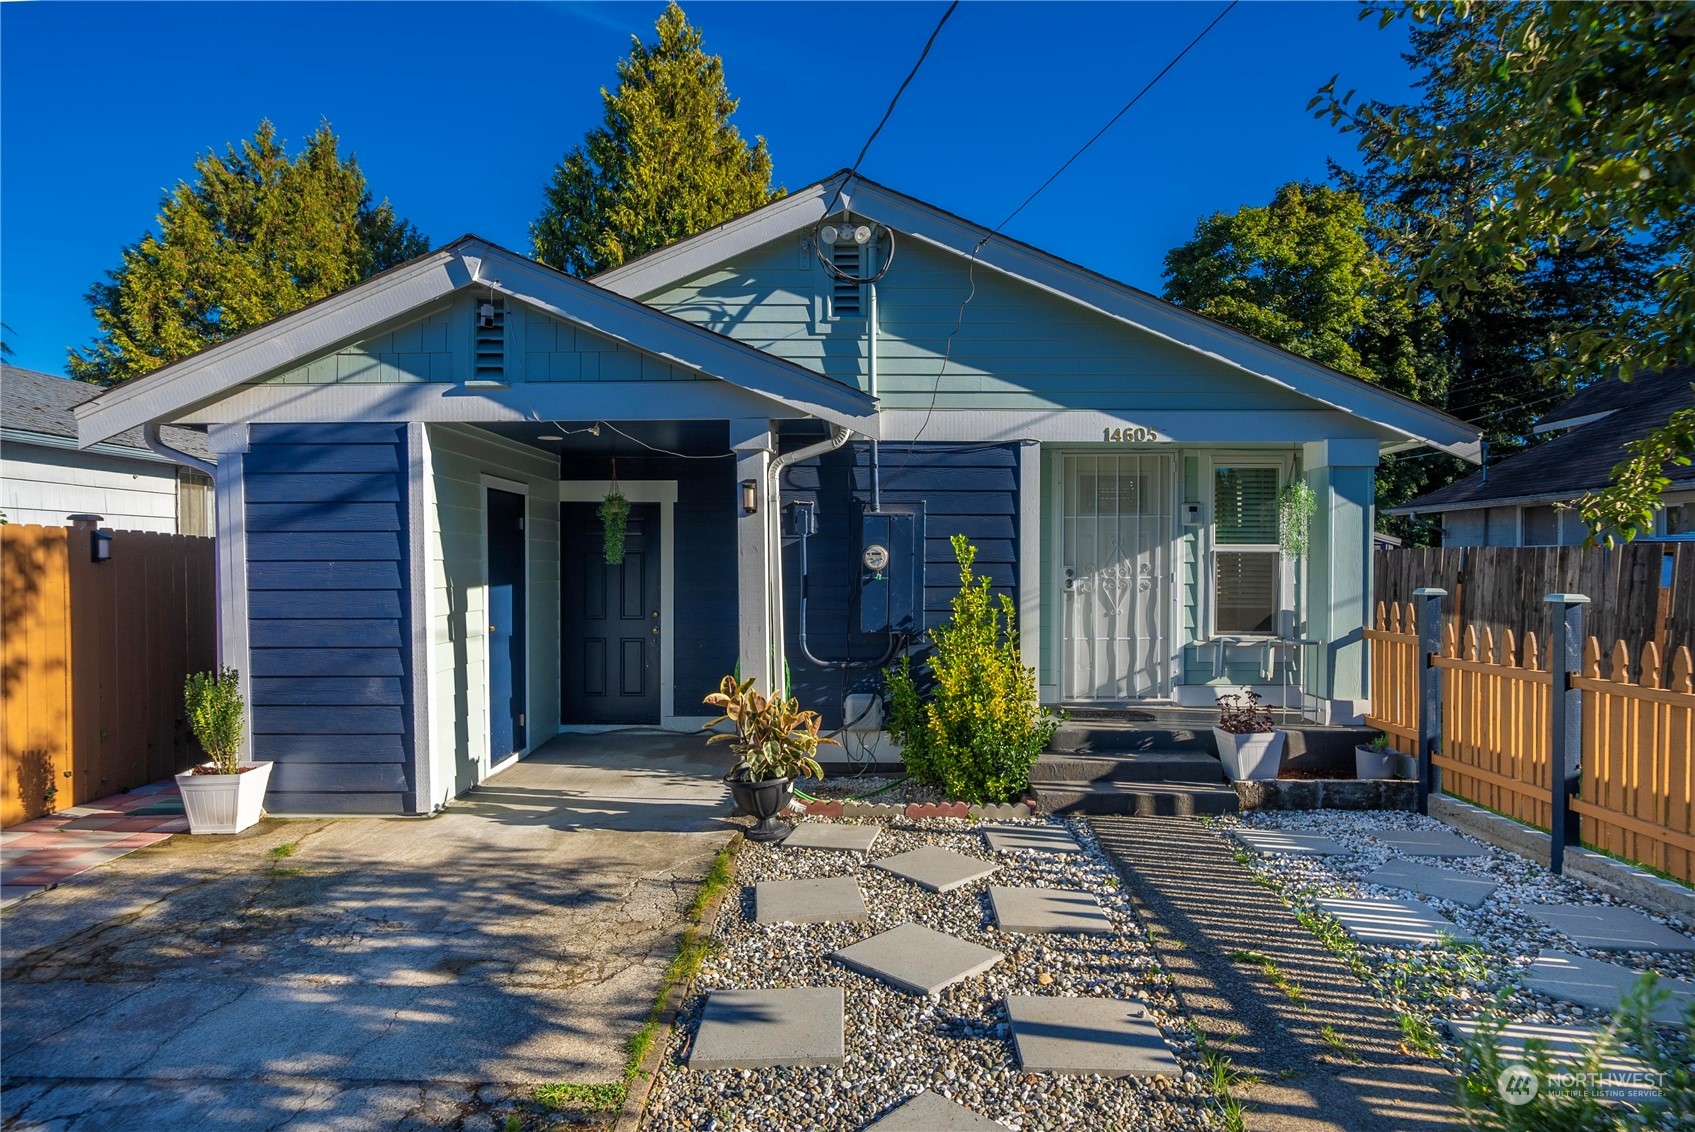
<point x="485" y="316"/>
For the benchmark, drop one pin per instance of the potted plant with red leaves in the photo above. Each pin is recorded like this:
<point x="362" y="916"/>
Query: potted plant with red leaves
<point x="224" y="795"/>
<point x="775" y="742"/>
<point x="1249" y="744"/>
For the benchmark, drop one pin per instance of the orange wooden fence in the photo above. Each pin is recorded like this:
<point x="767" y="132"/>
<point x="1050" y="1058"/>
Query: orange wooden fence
<point x="95" y="655"/>
<point x="1636" y="796"/>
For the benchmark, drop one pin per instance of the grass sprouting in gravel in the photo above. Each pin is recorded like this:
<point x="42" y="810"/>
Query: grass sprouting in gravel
<point x="1268" y="966"/>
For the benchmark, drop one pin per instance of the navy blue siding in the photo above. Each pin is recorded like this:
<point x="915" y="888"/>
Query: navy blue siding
<point x="327" y="616"/>
<point x="969" y="489"/>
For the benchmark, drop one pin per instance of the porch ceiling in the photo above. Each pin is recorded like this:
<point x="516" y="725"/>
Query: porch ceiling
<point x="703" y="438"/>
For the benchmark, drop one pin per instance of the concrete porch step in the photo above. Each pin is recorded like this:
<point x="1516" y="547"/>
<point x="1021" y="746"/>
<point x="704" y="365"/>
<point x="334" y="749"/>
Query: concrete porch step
<point x="1128" y="766"/>
<point x="1169" y="799"/>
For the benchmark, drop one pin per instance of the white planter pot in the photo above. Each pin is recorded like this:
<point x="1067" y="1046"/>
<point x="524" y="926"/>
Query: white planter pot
<point x="224" y="803"/>
<point x="1248" y="757"/>
<point x="1371" y="763"/>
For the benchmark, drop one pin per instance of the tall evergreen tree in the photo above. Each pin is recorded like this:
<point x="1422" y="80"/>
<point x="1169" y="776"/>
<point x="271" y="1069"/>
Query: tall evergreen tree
<point x="255" y="236"/>
<point x="666" y="164"/>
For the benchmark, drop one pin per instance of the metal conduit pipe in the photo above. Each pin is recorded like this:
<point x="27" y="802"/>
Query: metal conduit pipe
<point x="839" y="435"/>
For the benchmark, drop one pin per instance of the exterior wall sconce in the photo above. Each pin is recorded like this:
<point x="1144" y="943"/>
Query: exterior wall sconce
<point x="750" y="497"/>
<point x="99" y="541"/>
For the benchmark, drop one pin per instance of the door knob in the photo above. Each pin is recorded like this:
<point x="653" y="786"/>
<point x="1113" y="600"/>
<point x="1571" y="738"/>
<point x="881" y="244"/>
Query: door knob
<point x="655" y="630"/>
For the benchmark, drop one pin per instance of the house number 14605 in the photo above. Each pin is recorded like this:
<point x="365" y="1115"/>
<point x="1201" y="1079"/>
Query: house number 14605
<point x="1128" y="435"/>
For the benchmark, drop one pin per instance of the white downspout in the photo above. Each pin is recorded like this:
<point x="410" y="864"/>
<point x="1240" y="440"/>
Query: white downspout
<point x="150" y="434"/>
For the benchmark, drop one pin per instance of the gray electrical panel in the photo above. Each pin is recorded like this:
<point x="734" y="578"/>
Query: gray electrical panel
<point x="891" y="571"/>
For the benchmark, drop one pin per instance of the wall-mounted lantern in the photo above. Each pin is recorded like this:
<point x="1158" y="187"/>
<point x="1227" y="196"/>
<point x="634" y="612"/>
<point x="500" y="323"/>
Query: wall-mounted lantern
<point x="750" y="497"/>
<point x="99" y="541"/>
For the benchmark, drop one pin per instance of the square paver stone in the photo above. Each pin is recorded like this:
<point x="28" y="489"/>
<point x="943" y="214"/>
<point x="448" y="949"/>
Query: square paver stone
<point x="1031" y="839"/>
<point x="756" y="1029"/>
<point x="1566" y="1044"/>
<point x="826" y="901"/>
<point x="932" y="1112"/>
<point x="1430" y="843"/>
<point x="917" y="959"/>
<point x="832" y="835"/>
<point x="1443" y="884"/>
<point x="939" y="870"/>
<point x="1399" y="923"/>
<point x="1601" y="985"/>
<point x="1080" y="1036"/>
<point x="1608" y="928"/>
<point x="1055" y="911"/>
<point x="1299" y="844"/>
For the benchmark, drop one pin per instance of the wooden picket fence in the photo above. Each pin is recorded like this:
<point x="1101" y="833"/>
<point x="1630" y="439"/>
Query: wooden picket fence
<point x="1636" y="794"/>
<point x="95" y="655"/>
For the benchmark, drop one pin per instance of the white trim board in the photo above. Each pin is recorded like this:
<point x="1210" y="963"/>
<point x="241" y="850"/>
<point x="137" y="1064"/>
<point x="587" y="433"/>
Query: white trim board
<point x="800" y="211"/>
<point x="664" y="493"/>
<point x="420" y="512"/>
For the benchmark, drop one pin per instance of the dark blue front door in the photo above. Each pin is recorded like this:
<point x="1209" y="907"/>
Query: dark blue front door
<point x="506" y="635"/>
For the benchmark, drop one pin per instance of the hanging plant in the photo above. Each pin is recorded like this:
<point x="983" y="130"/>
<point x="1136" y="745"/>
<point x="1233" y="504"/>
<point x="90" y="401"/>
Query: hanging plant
<point x="1296" y="505"/>
<point x="614" y="514"/>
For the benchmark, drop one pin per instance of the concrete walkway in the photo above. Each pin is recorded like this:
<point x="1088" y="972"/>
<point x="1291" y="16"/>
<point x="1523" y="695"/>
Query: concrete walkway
<point x="1213" y="926"/>
<point x="365" y="973"/>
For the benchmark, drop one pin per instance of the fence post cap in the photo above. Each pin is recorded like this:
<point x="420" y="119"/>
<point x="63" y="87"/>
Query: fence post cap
<point x="1430" y="591"/>
<point x="1567" y="599"/>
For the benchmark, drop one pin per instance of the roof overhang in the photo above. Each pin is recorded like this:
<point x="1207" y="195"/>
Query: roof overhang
<point x="345" y="317"/>
<point x="805" y="209"/>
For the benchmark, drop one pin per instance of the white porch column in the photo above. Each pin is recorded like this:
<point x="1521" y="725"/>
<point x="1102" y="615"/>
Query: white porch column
<point x="1342" y="475"/>
<point x="754" y="444"/>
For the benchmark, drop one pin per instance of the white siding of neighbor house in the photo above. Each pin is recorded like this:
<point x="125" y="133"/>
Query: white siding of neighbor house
<point x="43" y="485"/>
<point x="460" y="456"/>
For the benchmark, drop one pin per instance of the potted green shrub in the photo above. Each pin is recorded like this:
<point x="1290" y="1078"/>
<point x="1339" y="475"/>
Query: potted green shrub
<point x="224" y="795"/>
<point x="1249" y="744"/>
<point x="775" y="742"/>
<point x="1375" y="759"/>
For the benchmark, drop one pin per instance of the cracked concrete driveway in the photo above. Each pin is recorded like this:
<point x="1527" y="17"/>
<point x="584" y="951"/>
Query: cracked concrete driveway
<point x="376" y="973"/>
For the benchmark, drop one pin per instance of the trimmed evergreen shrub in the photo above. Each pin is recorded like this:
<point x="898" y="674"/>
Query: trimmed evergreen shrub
<point x="974" y="728"/>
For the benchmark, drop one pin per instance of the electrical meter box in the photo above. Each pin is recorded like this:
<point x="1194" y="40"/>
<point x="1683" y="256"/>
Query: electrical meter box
<point x="891" y="571"/>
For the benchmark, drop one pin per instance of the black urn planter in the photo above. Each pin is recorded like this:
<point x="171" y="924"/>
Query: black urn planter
<point x="764" y="801"/>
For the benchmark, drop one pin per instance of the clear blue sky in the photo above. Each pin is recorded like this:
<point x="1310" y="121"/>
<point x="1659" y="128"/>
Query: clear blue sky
<point x="458" y="112"/>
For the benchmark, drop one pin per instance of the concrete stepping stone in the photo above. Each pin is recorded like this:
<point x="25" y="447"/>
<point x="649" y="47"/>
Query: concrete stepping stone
<point x="831" y="900"/>
<point x="757" y="1029"/>
<point x="1048" y="911"/>
<point x="1081" y="1036"/>
<point x="1430" y="843"/>
<point x="917" y="959"/>
<point x="1443" y="884"/>
<point x="1605" y="927"/>
<point x="1566" y="1044"/>
<point x="932" y="1112"/>
<point x="832" y="836"/>
<point x="1599" y="984"/>
<point x="1031" y="839"/>
<point x="1399" y="923"/>
<point x="1298" y="844"/>
<point x="939" y="870"/>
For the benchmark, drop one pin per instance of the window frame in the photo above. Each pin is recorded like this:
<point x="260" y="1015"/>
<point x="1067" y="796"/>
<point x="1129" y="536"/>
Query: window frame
<point x="1285" y="465"/>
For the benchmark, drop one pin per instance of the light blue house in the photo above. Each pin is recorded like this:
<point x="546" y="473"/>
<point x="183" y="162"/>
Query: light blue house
<point x="801" y="406"/>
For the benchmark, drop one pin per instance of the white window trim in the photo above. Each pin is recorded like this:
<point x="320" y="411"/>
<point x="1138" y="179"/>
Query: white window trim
<point x="1284" y="462"/>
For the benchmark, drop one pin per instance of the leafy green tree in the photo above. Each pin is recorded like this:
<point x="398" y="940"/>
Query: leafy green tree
<point x="255" y="236"/>
<point x="666" y="164"/>
<point x="1576" y="122"/>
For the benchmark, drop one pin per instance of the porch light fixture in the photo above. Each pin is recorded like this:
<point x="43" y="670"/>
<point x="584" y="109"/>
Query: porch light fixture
<point x="750" y="497"/>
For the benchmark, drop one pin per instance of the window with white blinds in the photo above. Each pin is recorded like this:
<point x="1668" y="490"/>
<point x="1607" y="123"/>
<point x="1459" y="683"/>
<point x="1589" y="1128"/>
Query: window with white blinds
<point x="1246" y="559"/>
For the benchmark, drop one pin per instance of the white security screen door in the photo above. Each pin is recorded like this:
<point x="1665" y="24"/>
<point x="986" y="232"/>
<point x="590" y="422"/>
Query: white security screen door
<point x="1116" y="584"/>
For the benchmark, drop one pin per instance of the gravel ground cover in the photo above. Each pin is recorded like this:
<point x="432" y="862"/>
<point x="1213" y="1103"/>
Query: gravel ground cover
<point x="1454" y="980"/>
<point x="955" y="1043"/>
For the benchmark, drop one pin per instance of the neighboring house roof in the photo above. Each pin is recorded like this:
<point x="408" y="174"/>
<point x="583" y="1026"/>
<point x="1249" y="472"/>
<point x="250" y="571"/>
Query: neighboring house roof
<point x="804" y="209"/>
<point x="469" y="261"/>
<point x="1606" y="416"/>
<point x="36" y="408"/>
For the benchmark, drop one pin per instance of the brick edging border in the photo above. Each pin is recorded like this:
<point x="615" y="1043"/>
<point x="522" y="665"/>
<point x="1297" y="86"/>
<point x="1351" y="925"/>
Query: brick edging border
<point x="1025" y="807"/>
<point x="647" y="1073"/>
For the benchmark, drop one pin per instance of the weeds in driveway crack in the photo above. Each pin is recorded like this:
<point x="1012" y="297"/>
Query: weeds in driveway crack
<point x="1222" y="1077"/>
<point x="1292" y="990"/>
<point x="1337" y="1043"/>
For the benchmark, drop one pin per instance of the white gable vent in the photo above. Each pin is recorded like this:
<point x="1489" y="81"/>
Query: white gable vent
<point x="490" y="342"/>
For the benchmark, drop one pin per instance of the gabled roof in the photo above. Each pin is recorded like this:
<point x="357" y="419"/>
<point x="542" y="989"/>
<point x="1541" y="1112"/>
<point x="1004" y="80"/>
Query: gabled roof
<point x="346" y="316"/>
<point x="37" y="406"/>
<point x="804" y="209"/>
<point x="1613" y="413"/>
